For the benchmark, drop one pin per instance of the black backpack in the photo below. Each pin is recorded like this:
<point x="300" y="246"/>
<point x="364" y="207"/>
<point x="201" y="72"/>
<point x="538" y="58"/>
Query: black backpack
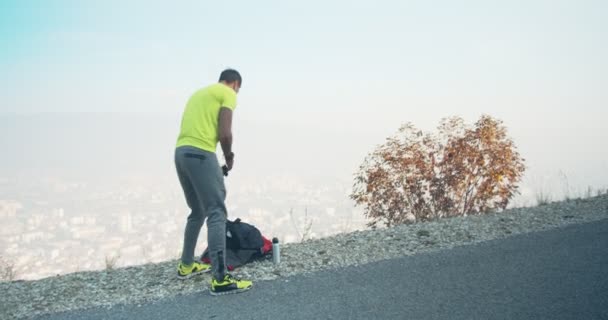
<point x="244" y="243"/>
<point x="241" y="235"/>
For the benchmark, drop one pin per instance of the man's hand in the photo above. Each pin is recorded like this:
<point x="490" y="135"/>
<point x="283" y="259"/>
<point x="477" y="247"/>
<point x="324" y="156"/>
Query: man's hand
<point x="229" y="160"/>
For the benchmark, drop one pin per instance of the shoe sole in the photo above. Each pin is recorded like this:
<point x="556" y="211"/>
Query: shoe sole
<point x="188" y="276"/>
<point x="225" y="293"/>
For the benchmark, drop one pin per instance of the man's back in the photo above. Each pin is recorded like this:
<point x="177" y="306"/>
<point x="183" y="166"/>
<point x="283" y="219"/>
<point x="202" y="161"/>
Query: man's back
<point x="199" y="126"/>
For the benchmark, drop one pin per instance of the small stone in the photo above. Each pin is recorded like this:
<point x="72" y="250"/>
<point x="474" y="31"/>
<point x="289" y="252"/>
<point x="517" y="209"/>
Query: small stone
<point x="423" y="233"/>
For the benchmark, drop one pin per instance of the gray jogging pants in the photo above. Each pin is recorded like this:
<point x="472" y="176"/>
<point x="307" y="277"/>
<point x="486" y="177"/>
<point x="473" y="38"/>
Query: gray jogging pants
<point x="202" y="180"/>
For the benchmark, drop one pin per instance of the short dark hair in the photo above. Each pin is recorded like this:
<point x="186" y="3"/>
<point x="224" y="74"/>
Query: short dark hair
<point x="231" y="75"/>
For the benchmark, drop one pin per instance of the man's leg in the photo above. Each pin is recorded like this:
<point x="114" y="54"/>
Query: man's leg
<point x="216" y="231"/>
<point x="196" y="218"/>
<point x="213" y="195"/>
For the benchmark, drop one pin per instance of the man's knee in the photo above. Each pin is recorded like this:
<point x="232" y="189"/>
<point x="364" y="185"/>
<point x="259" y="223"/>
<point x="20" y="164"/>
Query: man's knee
<point x="196" y="217"/>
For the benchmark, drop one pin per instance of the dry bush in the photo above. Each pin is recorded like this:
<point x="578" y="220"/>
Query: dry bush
<point x="8" y="271"/>
<point x="306" y="227"/>
<point x="112" y="261"/>
<point x="459" y="170"/>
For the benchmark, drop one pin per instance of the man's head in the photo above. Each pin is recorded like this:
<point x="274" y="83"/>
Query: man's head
<point x="231" y="78"/>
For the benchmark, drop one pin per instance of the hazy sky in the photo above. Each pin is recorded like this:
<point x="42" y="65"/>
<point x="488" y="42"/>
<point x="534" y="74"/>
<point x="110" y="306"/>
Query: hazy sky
<point x="360" y="67"/>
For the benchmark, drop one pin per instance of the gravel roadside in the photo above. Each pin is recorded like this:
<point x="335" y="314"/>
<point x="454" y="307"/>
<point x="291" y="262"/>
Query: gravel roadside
<point x="141" y="284"/>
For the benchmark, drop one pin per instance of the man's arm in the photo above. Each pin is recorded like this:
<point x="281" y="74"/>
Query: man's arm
<point x="225" y="135"/>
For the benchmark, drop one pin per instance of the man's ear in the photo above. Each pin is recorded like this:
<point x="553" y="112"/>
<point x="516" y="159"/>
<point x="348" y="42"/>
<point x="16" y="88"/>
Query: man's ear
<point x="236" y="86"/>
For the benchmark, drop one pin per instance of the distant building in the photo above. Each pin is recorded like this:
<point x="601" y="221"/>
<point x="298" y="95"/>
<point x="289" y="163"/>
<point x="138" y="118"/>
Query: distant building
<point x="30" y="237"/>
<point x="77" y="221"/>
<point x="58" y="213"/>
<point x="88" y="232"/>
<point x="9" y="208"/>
<point x="126" y="223"/>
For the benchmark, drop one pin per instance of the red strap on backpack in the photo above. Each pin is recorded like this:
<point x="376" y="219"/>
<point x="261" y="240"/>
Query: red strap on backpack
<point x="267" y="245"/>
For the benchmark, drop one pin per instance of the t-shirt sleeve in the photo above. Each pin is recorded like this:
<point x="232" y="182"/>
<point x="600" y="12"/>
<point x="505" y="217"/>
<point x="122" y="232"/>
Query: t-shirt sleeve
<point x="229" y="99"/>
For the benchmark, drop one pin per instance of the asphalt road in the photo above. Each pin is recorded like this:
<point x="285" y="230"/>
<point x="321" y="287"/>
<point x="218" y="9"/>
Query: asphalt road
<point x="557" y="274"/>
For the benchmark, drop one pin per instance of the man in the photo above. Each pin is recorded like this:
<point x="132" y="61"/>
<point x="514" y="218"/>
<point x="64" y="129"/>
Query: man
<point x="206" y="120"/>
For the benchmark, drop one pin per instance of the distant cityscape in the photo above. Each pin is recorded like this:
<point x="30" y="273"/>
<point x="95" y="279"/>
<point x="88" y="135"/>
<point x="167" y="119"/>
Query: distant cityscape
<point x="53" y="226"/>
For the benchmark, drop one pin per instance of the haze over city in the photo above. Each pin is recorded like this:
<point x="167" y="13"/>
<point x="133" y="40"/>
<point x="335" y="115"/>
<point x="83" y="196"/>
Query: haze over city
<point x="92" y="95"/>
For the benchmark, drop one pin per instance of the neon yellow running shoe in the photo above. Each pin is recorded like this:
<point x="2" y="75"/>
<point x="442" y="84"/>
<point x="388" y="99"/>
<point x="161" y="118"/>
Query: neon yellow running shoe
<point x="185" y="272"/>
<point x="229" y="285"/>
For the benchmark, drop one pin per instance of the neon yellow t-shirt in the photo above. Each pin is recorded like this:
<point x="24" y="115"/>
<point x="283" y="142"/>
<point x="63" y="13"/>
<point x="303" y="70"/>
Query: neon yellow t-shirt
<point x="200" y="120"/>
